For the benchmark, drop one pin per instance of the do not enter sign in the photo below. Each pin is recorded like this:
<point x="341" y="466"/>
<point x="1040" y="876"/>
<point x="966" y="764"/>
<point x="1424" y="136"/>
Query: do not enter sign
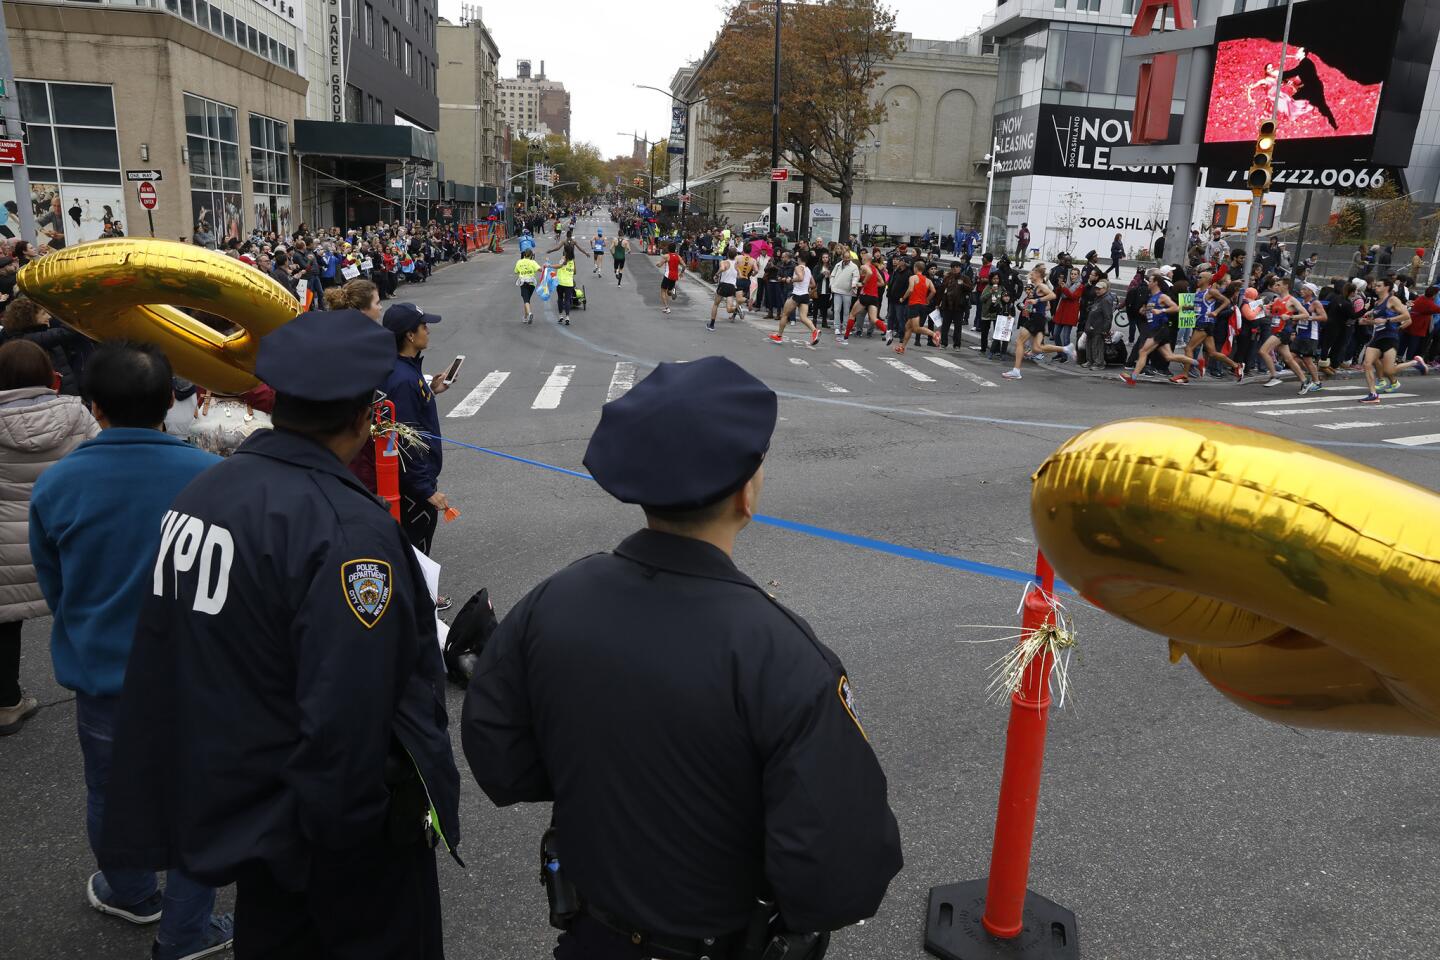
<point x="148" y="199"/>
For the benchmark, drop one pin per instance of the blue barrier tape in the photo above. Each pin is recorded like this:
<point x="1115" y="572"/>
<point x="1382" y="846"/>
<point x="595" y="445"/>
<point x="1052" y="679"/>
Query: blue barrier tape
<point x="823" y="533"/>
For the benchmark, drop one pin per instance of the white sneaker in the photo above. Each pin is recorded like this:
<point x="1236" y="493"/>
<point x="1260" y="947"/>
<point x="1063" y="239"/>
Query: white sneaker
<point x="1011" y="374"/>
<point x="1272" y="382"/>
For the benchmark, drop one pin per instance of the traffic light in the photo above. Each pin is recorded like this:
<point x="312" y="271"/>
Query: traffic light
<point x="638" y="181"/>
<point x="1260" y="172"/>
<point x="554" y="177"/>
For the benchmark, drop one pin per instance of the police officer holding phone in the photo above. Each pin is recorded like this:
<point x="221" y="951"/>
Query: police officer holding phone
<point x="283" y="725"/>
<point x="714" y="792"/>
<point x="414" y="397"/>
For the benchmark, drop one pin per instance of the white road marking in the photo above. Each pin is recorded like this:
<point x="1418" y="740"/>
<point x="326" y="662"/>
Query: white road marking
<point x="908" y="370"/>
<point x="621" y="380"/>
<point x="831" y="387"/>
<point x="951" y="365"/>
<point x="855" y="368"/>
<point x="483" y="391"/>
<point x="1307" y="411"/>
<point x="1357" y="424"/>
<point x="549" y="396"/>
<point x="1300" y="401"/>
<point x="1423" y="440"/>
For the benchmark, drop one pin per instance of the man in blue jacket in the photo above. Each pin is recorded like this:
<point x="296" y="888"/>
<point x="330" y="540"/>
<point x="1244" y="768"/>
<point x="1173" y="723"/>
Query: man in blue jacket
<point x="94" y="532"/>
<point x="420" y="498"/>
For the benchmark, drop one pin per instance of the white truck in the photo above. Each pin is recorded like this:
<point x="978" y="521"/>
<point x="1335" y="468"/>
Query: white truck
<point x="899" y="223"/>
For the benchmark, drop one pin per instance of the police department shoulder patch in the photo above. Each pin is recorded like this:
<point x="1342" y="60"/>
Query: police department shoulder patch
<point x="847" y="699"/>
<point x="367" y="588"/>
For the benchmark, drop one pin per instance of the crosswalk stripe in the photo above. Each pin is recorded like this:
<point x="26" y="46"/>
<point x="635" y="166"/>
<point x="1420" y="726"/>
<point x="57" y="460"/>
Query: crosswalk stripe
<point x="1310" y="411"/>
<point x="831" y="387"/>
<point x="951" y="365"/>
<point x="483" y="391"/>
<point x="1423" y="440"/>
<point x="621" y="380"/>
<point x="909" y="371"/>
<point x="549" y="396"/>
<point x="1300" y="401"/>
<point x="1358" y="424"/>
<point x="855" y="368"/>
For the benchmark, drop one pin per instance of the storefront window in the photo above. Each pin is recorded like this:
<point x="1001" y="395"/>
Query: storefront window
<point x="270" y="174"/>
<point x="74" y="161"/>
<point x="213" y="140"/>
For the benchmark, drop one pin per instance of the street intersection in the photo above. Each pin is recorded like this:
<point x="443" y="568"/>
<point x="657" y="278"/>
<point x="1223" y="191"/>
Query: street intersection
<point x="897" y="523"/>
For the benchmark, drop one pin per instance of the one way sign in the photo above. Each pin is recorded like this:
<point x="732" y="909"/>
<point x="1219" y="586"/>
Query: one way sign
<point x="152" y="175"/>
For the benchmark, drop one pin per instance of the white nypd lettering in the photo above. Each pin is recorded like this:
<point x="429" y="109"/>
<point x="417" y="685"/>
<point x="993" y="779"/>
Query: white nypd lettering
<point x="183" y="541"/>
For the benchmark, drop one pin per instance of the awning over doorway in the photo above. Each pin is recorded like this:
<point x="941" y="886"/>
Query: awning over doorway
<point x="364" y="141"/>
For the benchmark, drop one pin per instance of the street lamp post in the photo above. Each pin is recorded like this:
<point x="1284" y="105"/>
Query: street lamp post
<point x="685" y="154"/>
<point x="989" y="195"/>
<point x="775" y="128"/>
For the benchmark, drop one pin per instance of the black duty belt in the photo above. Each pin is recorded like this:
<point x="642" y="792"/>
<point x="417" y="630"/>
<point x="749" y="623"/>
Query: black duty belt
<point x="666" y="947"/>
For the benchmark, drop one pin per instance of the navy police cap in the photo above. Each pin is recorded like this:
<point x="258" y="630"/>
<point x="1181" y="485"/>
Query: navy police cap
<point x="404" y="317"/>
<point x="687" y="436"/>
<point x="326" y="355"/>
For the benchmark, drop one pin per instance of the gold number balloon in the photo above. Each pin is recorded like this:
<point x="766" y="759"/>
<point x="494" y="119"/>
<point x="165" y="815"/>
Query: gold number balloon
<point x="129" y="288"/>
<point x="1304" y="586"/>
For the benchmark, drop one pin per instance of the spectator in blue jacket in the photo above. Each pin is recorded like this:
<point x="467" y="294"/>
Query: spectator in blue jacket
<point x="421" y="501"/>
<point x="95" y="521"/>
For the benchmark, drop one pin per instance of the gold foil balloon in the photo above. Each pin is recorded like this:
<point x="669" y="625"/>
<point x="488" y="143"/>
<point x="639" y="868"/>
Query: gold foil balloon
<point x="1303" y="586"/>
<point x="128" y="289"/>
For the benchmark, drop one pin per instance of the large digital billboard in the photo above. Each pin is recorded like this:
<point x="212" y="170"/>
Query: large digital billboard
<point x="1343" y="89"/>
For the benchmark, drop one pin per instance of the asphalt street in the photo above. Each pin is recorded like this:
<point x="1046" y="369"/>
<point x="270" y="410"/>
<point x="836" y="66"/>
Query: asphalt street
<point x="1172" y="823"/>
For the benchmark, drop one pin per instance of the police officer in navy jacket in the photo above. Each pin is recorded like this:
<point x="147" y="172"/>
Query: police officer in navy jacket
<point x="283" y="725"/>
<point x="701" y="747"/>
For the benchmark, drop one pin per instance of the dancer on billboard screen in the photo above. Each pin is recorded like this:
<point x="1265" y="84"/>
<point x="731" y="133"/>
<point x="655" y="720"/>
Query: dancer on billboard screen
<point x="1316" y="99"/>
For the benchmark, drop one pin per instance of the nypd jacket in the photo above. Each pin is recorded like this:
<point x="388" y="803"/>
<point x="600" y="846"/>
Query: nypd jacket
<point x="699" y="743"/>
<point x="285" y="651"/>
<point x="415" y="405"/>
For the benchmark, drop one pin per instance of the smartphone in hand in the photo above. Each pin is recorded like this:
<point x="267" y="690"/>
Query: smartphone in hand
<point x="454" y="368"/>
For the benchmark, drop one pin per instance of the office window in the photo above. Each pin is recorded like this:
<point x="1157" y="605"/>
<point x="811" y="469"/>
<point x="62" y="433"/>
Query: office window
<point x="202" y="14"/>
<point x="252" y="39"/>
<point x="212" y="135"/>
<point x="1092" y="6"/>
<point x="385" y="38"/>
<point x="229" y="28"/>
<point x="406" y="65"/>
<point x="270" y="174"/>
<point x="395" y="44"/>
<point x="187" y="9"/>
<point x="217" y="22"/>
<point x="379" y="110"/>
<point x="369" y="25"/>
<point x="1131" y="7"/>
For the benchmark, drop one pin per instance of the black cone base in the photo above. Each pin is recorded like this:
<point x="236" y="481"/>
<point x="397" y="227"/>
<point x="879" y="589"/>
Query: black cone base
<point x="953" y="930"/>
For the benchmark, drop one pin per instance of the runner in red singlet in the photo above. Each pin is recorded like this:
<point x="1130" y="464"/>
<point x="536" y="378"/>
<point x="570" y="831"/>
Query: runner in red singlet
<point x="869" y="299"/>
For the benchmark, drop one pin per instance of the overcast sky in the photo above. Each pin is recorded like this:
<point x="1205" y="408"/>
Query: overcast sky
<point x="599" y="48"/>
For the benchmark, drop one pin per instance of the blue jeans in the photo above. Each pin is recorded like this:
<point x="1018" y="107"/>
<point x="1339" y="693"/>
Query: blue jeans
<point x="188" y="903"/>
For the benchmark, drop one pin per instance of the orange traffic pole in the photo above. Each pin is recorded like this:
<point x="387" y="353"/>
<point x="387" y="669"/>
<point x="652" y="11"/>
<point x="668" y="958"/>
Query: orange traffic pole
<point x="387" y="460"/>
<point x="998" y="916"/>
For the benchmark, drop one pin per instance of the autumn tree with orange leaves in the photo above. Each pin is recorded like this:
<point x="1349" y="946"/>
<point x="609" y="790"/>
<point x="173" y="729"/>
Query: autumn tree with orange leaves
<point x="831" y="52"/>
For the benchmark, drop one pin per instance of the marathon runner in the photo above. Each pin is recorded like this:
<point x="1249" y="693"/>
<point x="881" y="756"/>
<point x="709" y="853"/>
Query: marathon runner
<point x="525" y="270"/>
<point x="917" y="307"/>
<point x="1285" y="310"/>
<point x="1209" y="302"/>
<point x="745" y="267"/>
<point x="617" y="257"/>
<point x="670" y="268"/>
<point x="1307" y="335"/>
<point x="798" y="301"/>
<point x="1388" y="317"/>
<point x="725" y="281"/>
<point x="1034" y="308"/>
<point x="868" y="302"/>
<point x="597" y="247"/>
<point x="1158" y="311"/>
